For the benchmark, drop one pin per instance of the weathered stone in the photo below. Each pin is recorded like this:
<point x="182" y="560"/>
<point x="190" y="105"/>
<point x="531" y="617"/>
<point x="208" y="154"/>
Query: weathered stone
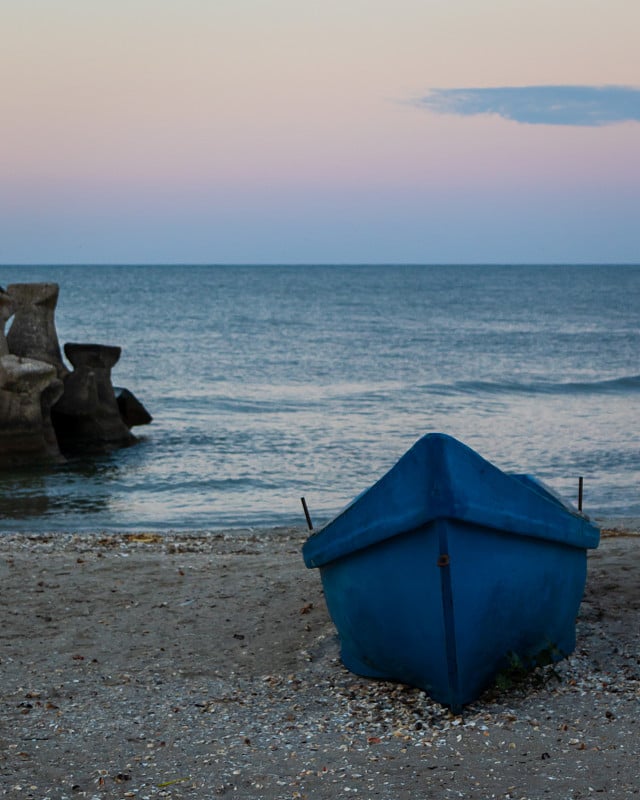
<point x="87" y="415"/>
<point x="33" y="332"/>
<point x="27" y="390"/>
<point x="43" y="406"/>
<point x="131" y="409"/>
<point x="7" y="308"/>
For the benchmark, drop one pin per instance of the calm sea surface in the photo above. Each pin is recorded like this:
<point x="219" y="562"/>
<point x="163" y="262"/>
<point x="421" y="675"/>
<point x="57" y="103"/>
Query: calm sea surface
<point x="269" y="383"/>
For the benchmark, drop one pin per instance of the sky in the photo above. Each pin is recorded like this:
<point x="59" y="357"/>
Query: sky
<point x="290" y="131"/>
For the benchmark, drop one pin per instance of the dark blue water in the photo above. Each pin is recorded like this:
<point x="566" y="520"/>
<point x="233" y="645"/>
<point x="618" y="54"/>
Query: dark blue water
<point x="268" y="383"/>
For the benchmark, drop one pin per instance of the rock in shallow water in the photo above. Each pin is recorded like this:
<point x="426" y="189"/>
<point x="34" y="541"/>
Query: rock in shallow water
<point x="33" y="330"/>
<point x="28" y="388"/>
<point x="87" y="415"/>
<point x="45" y="408"/>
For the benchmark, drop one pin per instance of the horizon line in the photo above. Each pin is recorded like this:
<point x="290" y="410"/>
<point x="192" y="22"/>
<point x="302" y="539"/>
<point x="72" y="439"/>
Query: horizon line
<point x="9" y="265"/>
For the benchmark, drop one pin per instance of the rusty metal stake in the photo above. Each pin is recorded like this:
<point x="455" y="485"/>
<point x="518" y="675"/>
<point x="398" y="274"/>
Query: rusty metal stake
<point x="580" y="485"/>
<point x="306" y="513"/>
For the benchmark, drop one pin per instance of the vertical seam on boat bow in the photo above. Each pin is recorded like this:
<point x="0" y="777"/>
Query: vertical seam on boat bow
<point x="444" y="564"/>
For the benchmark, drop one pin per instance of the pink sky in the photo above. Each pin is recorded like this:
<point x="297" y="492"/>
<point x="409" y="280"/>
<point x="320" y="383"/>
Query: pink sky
<point x="253" y="131"/>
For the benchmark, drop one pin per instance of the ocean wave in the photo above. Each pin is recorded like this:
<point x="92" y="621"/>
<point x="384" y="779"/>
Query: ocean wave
<point x="628" y="384"/>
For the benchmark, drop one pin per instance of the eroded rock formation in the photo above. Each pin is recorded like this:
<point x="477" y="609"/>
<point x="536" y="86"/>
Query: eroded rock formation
<point x="28" y="388"/>
<point x="33" y="330"/>
<point x="131" y="409"/>
<point x="87" y="414"/>
<point x="45" y="409"/>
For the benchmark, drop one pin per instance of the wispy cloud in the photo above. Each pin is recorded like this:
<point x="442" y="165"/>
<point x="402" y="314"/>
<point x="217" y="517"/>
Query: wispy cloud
<point x="541" y="105"/>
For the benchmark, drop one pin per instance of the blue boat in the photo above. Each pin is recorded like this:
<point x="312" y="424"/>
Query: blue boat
<point x="448" y="571"/>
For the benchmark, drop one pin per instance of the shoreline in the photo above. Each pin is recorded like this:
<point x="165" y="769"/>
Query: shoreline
<point x="202" y="665"/>
<point x="617" y="526"/>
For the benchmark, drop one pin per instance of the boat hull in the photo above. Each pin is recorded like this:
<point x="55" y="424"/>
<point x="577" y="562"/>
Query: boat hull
<point x="447" y="607"/>
<point x="450" y="603"/>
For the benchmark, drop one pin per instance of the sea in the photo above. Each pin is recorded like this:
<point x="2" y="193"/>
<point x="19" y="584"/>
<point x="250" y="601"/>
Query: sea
<point x="271" y="383"/>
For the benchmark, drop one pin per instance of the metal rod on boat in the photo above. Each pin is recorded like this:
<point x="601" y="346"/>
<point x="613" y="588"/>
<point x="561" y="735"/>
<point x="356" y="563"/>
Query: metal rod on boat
<point x="580" y="484"/>
<point x="306" y="513"/>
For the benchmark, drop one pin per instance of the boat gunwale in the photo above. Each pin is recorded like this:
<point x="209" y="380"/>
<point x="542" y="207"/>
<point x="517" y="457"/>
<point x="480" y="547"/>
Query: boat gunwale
<point x="554" y="520"/>
<point x="375" y="534"/>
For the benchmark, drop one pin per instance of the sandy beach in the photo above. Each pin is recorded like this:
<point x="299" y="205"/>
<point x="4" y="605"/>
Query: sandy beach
<point x="206" y="666"/>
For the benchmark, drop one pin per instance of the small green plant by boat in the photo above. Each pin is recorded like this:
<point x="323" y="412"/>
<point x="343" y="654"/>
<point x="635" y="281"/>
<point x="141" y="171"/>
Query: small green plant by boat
<point x="517" y="672"/>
